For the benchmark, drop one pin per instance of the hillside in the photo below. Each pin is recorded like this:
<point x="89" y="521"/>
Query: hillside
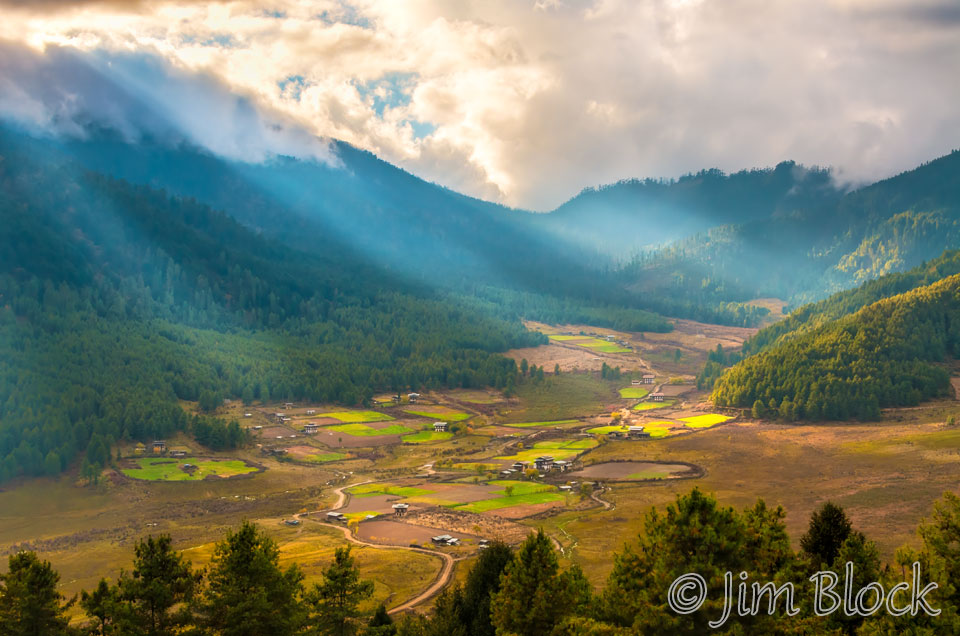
<point x="119" y="300"/>
<point x="883" y="355"/>
<point x="634" y="214"/>
<point x="818" y="247"/>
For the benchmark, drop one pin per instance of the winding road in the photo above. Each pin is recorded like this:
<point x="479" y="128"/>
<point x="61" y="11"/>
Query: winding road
<point x="443" y="576"/>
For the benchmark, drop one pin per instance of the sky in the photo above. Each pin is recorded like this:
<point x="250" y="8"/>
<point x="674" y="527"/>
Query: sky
<point x="523" y="102"/>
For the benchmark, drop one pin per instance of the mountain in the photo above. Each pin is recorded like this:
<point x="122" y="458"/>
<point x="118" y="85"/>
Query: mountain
<point x="887" y="354"/>
<point x="632" y="215"/>
<point x="823" y="244"/>
<point x="118" y="300"/>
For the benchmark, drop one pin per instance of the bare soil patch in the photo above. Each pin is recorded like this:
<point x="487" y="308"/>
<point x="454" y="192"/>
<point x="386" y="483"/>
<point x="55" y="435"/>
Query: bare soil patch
<point x="486" y="525"/>
<point x="391" y="532"/>
<point x="529" y="510"/>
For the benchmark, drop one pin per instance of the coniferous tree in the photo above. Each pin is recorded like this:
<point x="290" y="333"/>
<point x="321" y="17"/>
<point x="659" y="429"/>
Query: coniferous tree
<point x="30" y="604"/>
<point x="533" y="596"/>
<point x="829" y="528"/>
<point x="247" y="593"/>
<point x="334" y="602"/>
<point x="159" y="590"/>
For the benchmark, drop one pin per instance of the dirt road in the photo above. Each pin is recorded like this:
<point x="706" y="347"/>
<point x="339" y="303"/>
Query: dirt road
<point x="440" y="582"/>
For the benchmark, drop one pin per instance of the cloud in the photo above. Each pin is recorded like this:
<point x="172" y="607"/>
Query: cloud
<point x="64" y="92"/>
<point x="526" y="103"/>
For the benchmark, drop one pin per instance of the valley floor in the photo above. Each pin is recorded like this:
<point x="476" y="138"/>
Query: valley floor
<point x="361" y="463"/>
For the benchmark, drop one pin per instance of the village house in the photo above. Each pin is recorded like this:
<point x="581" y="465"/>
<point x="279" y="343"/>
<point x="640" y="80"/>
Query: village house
<point x="637" y="432"/>
<point x="336" y="516"/>
<point x="400" y="509"/>
<point x="310" y="428"/>
<point x="159" y="447"/>
<point x="566" y="488"/>
<point x="543" y="463"/>
<point x="178" y="453"/>
<point x="288" y="405"/>
<point x="648" y="378"/>
<point x="635" y="382"/>
<point x="519" y="466"/>
<point x="445" y="539"/>
<point x="311" y="411"/>
<point x="139" y="449"/>
<point x="439" y="427"/>
<point x="656" y="397"/>
<point x="413" y="397"/>
<point x="561" y="465"/>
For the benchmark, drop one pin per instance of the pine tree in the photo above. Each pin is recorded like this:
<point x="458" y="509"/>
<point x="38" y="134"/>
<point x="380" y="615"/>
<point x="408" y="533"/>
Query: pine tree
<point x="533" y="597"/>
<point x="334" y="602"/>
<point x="829" y="528"/>
<point x="247" y="593"/>
<point x="161" y="580"/>
<point x="30" y="604"/>
<point x="105" y="607"/>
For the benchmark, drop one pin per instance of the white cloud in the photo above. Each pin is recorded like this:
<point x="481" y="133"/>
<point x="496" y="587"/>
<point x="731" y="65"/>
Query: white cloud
<point x="526" y="103"/>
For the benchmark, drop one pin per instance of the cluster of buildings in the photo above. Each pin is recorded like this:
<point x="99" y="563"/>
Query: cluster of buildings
<point x="445" y="539"/>
<point x="632" y="432"/>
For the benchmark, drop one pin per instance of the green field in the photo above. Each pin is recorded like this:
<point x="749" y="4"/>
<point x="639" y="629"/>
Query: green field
<point x="649" y="406"/>
<point x="357" y="416"/>
<point x="425" y="437"/>
<point x="444" y="415"/>
<point x="370" y="490"/>
<point x="562" y="338"/>
<point x="603" y="346"/>
<point x="705" y="421"/>
<point x="658" y="429"/>
<point x="563" y="450"/>
<point x="542" y="424"/>
<point x="164" y="469"/>
<point x="603" y="430"/>
<point x="362" y="430"/>
<point x="524" y="493"/>
<point x="474" y="466"/>
<point x="321" y="458"/>
<point x="633" y="392"/>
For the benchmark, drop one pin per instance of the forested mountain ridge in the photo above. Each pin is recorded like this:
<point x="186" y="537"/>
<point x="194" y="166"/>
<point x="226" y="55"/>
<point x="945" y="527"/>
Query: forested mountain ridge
<point x="885" y="354"/>
<point x="118" y="300"/>
<point x="817" y="249"/>
<point x="630" y="214"/>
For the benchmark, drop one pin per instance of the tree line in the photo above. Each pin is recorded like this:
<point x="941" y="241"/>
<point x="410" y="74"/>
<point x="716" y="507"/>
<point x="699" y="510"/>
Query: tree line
<point x="884" y="355"/>
<point x="523" y="592"/>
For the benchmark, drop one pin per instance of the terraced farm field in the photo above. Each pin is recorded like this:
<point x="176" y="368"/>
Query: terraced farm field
<point x="439" y="413"/>
<point x="167" y="469"/>
<point x="705" y="421"/>
<point x="426" y="437"/>
<point x="348" y="417"/>
<point x="563" y="450"/>
<point x="362" y="430"/>
<point x="633" y="392"/>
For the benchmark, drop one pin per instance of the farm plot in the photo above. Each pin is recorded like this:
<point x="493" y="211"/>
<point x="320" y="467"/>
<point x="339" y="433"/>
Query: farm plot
<point x="187" y="469"/>
<point x="632" y="471"/>
<point x="660" y="428"/>
<point x="604" y="430"/>
<point x="649" y="406"/>
<point x="561" y="449"/>
<point x="633" y="392"/>
<point x="362" y="430"/>
<point x="426" y="437"/>
<point x="438" y="413"/>
<point x="315" y="455"/>
<point x="370" y="490"/>
<point x="515" y="493"/>
<point x="595" y="344"/>
<point x="397" y="533"/>
<point x="705" y="421"/>
<point x="554" y="423"/>
<point x="350" y="417"/>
